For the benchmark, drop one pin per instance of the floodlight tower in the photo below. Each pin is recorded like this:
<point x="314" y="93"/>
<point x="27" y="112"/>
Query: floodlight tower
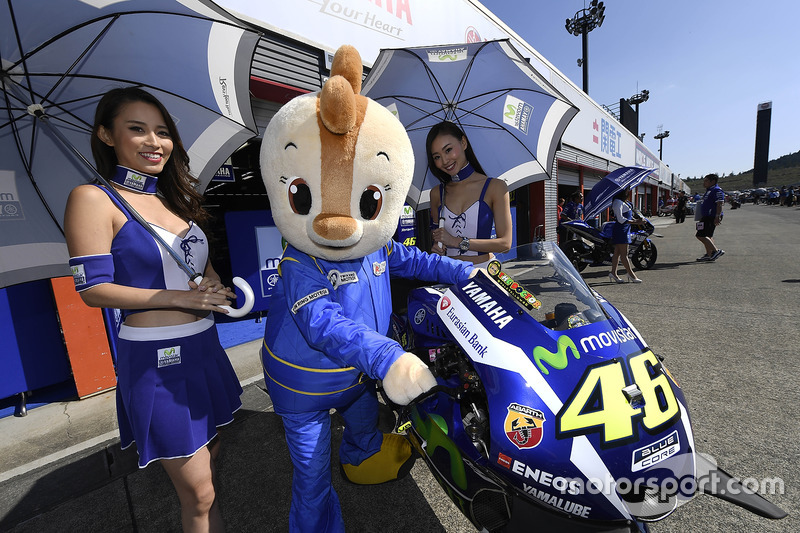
<point x="639" y="98"/>
<point x="661" y="135"/>
<point x="584" y="21"/>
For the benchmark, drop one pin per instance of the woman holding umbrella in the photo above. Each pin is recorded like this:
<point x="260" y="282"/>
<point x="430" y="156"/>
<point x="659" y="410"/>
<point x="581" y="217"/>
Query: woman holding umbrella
<point x="620" y="237"/>
<point x="467" y="204"/>
<point x="175" y="382"/>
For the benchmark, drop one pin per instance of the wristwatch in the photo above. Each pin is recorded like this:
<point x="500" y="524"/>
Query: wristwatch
<point x="464" y="245"/>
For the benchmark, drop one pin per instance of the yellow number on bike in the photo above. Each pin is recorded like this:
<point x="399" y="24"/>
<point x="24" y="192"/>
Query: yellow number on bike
<point x="661" y="406"/>
<point x="598" y="404"/>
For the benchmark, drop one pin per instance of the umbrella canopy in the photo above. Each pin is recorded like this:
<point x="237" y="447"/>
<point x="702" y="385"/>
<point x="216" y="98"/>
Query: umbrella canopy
<point x="512" y="116"/>
<point x="58" y="57"/>
<point x="602" y="194"/>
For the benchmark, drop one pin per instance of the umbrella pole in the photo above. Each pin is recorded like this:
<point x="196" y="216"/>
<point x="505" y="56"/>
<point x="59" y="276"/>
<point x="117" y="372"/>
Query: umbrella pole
<point x="38" y="112"/>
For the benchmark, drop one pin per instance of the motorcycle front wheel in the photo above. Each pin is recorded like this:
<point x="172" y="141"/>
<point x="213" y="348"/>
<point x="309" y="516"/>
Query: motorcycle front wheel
<point x="645" y="256"/>
<point x="572" y="249"/>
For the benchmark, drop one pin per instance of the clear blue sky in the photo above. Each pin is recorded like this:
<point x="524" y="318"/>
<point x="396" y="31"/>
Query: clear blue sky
<point x="707" y="65"/>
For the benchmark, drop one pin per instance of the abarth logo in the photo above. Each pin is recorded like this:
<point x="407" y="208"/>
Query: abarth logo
<point x="523" y="426"/>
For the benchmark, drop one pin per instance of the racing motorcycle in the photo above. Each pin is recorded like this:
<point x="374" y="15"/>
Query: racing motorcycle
<point x="550" y="409"/>
<point x="589" y="246"/>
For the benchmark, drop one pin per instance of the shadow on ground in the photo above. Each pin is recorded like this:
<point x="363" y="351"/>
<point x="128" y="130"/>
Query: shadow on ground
<point x="106" y="491"/>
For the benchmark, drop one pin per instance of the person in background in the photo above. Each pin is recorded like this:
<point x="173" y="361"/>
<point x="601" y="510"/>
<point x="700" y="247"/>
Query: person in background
<point x="467" y="205"/>
<point x="710" y="217"/>
<point x="175" y="384"/>
<point x="680" y="207"/>
<point x="573" y="210"/>
<point x="560" y="208"/>
<point x="620" y="237"/>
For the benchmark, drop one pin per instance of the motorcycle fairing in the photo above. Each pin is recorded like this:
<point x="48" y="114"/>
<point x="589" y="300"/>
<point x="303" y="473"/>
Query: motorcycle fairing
<point x="539" y="369"/>
<point x="482" y="499"/>
<point x="583" y="229"/>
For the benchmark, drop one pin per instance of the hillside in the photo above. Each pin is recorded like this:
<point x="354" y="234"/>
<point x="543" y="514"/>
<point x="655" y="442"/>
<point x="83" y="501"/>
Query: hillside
<point x="782" y="171"/>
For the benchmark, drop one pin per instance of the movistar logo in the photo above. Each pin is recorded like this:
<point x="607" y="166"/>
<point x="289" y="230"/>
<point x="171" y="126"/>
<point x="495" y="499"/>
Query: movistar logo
<point x="607" y="338"/>
<point x="557" y="360"/>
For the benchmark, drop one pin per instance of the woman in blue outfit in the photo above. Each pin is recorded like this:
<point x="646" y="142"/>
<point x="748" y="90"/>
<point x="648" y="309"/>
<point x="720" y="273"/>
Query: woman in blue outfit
<point x="468" y="206"/>
<point x="620" y="237"/>
<point x="175" y="383"/>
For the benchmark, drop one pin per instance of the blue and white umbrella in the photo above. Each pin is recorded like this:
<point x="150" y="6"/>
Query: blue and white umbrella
<point x="58" y="57"/>
<point x="602" y="194"/>
<point x="514" y="118"/>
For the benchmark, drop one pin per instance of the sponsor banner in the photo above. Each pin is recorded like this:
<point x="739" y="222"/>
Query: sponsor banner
<point x="224" y="174"/>
<point x="447" y="55"/>
<point x="309" y="298"/>
<point x="10" y="206"/>
<point x="517" y="113"/>
<point x="655" y="452"/>
<point x="169" y="356"/>
<point x="524" y="426"/>
<point x="268" y="241"/>
<point x="338" y="278"/>
<point x="479" y="344"/>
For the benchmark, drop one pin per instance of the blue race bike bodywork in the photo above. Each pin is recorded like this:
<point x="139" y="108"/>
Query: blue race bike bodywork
<point x="551" y="410"/>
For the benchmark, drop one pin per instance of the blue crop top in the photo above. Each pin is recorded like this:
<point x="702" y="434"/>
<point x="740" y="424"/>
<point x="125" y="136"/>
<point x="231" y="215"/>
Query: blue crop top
<point x="139" y="261"/>
<point x="477" y="222"/>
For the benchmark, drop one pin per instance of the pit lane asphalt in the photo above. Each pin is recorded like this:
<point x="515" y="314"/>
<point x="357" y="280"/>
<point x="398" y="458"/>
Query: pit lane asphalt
<point x="728" y="330"/>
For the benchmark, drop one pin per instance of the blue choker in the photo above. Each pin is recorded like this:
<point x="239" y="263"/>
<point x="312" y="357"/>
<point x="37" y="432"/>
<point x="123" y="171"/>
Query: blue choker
<point x="463" y="174"/>
<point x="134" y="181"/>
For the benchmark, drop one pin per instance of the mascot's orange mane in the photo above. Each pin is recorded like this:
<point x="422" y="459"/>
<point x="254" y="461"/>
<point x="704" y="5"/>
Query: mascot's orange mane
<point x="340" y="113"/>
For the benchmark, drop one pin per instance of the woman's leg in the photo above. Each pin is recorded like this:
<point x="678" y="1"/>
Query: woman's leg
<point x="622" y="249"/>
<point x="193" y="479"/>
<point x="615" y="260"/>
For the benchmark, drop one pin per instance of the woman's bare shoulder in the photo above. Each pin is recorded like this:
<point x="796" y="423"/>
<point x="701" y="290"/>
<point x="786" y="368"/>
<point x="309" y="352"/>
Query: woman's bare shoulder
<point x="86" y="192"/>
<point x="498" y="184"/>
<point x="88" y="197"/>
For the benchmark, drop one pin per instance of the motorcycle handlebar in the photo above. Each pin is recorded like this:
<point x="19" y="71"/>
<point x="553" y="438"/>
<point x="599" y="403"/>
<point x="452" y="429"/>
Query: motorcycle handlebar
<point x="450" y="391"/>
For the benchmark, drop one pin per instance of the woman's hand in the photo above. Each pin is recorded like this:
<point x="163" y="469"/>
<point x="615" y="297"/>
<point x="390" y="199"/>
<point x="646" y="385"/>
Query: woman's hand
<point x="437" y="249"/>
<point x="210" y="293"/>
<point x="441" y="236"/>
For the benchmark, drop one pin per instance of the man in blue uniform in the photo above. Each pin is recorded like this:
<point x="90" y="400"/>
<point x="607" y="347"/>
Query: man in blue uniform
<point x="710" y="217"/>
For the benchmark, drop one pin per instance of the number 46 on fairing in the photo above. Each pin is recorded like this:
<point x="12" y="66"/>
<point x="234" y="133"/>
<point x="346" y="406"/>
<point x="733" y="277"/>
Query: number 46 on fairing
<point x="598" y="405"/>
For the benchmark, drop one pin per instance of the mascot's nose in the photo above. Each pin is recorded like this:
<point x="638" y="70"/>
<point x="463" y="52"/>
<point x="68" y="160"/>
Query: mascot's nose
<point x="334" y="227"/>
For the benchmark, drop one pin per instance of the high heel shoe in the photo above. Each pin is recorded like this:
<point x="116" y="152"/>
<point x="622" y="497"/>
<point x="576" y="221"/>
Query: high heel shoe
<point x="615" y="279"/>
<point x="633" y="280"/>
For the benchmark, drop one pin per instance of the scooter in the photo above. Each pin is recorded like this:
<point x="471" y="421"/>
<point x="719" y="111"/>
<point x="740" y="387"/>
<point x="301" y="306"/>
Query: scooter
<point x="589" y="246"/>
<point x="550" y="409"/>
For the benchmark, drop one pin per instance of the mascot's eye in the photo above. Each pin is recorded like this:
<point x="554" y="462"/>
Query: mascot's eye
<point x="371" y="202"/>
<point x="300" y="196"/>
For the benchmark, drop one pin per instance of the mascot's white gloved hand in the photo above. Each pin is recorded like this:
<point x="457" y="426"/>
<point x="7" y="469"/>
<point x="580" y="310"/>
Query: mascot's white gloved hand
<point x="407" y="378"/>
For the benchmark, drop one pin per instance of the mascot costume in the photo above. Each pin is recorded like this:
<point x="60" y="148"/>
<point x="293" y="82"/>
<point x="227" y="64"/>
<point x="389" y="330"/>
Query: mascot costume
<point x="337" y="167"/>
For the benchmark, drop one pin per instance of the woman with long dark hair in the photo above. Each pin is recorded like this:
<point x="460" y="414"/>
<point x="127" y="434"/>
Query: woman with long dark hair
<point x="175" y="384"/>
<point x="472" y="210"/>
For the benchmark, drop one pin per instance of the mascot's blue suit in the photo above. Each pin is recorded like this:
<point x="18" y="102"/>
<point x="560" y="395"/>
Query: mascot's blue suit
<point x="320" y="352"/>
<point x="337" y="167"/>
